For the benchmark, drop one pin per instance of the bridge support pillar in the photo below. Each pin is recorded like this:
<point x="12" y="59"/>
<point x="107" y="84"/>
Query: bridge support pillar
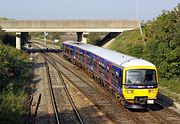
<point x="18" y="40"/>
<point x="79" y="36"/>
<point x="84" y="37"/>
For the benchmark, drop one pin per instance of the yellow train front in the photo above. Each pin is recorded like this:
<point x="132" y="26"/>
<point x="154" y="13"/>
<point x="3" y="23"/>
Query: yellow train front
<point x="140" y="81"/>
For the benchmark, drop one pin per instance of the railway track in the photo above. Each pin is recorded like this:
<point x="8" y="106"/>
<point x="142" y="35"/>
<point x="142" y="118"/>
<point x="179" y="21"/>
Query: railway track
<point x="61" y="105"/>
<point x="149" y="116"/>
<point x="167" y="115"/>
<point x="54" y="99"/>
<point x="54" y="87"/>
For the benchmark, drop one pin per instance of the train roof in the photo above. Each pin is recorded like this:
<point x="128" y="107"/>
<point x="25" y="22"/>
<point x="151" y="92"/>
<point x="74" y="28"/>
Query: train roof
<point x="113" y="56"/>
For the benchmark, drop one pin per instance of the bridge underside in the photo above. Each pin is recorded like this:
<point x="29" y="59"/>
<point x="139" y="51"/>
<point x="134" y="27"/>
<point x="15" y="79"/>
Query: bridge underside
<point x="69" y="30"/>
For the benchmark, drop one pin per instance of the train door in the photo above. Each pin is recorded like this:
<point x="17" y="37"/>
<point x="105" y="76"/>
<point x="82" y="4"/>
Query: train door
<point x="85" y="59"/>
<point x="78" y="55"/>
<point x="71" y="53"/>
<point x="120" y="81"/>
<point x="97" y="65"/>
<point x="110" y="74"/>
<point x="74" y="53"/>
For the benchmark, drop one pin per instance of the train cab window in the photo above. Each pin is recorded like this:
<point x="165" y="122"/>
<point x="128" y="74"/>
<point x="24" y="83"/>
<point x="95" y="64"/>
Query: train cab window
<point x="141" y="76"/>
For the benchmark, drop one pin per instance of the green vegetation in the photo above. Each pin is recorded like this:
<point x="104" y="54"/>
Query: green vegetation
<point x="94" y="37"/>
<point x="130" y="42"/>
<point x="14" y="77"/>
<point x="162" y="38"/>
<point x="170" y="84"/>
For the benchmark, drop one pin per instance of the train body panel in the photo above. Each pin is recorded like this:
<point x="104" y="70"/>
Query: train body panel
<point x="134" y="79"/>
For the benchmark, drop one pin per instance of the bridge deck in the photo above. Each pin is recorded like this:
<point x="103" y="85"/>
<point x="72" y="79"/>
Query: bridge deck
<point x="68" y="25"/>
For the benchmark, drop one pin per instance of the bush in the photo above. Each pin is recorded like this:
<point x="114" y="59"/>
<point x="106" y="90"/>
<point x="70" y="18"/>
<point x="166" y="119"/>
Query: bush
<point x="14" y="77"/>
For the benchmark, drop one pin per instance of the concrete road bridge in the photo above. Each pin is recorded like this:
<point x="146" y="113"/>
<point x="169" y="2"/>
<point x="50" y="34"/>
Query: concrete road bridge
<point x="78" y="26"/>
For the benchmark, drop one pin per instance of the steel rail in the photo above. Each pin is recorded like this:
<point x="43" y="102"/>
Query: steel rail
<point x="65" y="88"/>
<point x="52" y="94"/>
<point x="67" y="92"/>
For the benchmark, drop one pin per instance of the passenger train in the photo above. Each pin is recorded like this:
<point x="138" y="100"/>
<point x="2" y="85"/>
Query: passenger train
<point x="132" y="80"/>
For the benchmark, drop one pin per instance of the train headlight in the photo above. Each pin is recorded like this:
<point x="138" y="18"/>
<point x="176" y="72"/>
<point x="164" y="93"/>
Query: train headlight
<point x="151" y="91"/>
<point x="129" y="91"/>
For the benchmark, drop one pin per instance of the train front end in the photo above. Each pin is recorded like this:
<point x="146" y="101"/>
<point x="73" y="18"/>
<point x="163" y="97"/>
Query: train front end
<point x="140" y="84"/>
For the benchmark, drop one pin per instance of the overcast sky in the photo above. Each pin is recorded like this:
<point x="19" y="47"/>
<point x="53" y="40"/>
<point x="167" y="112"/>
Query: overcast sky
<point x="84" y="9"/>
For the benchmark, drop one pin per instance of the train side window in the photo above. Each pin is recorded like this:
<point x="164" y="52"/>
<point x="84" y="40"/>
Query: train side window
<point x="113" y="72"/>
<point x="71" y="52"/>
<point x="117" y="74"/>
<point x="77" y="53"/>
<point x="65" y="49"/>
<point x="103" y="66"/>
<point x="90" y="60"/>
<point x="120" y="79"/>
<point x="81" y="54"/>
<point x="100" y="67"/>
<point x="117" y="77"/>
<point x="94" y="63"/>
<point x="107" y="68"/>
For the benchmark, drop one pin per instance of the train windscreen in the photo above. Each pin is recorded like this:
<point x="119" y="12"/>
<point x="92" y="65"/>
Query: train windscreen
<point x="140" y="77"/>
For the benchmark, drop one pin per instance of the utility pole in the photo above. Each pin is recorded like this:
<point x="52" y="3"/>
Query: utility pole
<point x="137" y="9"/>
<point x="137" y="17"/>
